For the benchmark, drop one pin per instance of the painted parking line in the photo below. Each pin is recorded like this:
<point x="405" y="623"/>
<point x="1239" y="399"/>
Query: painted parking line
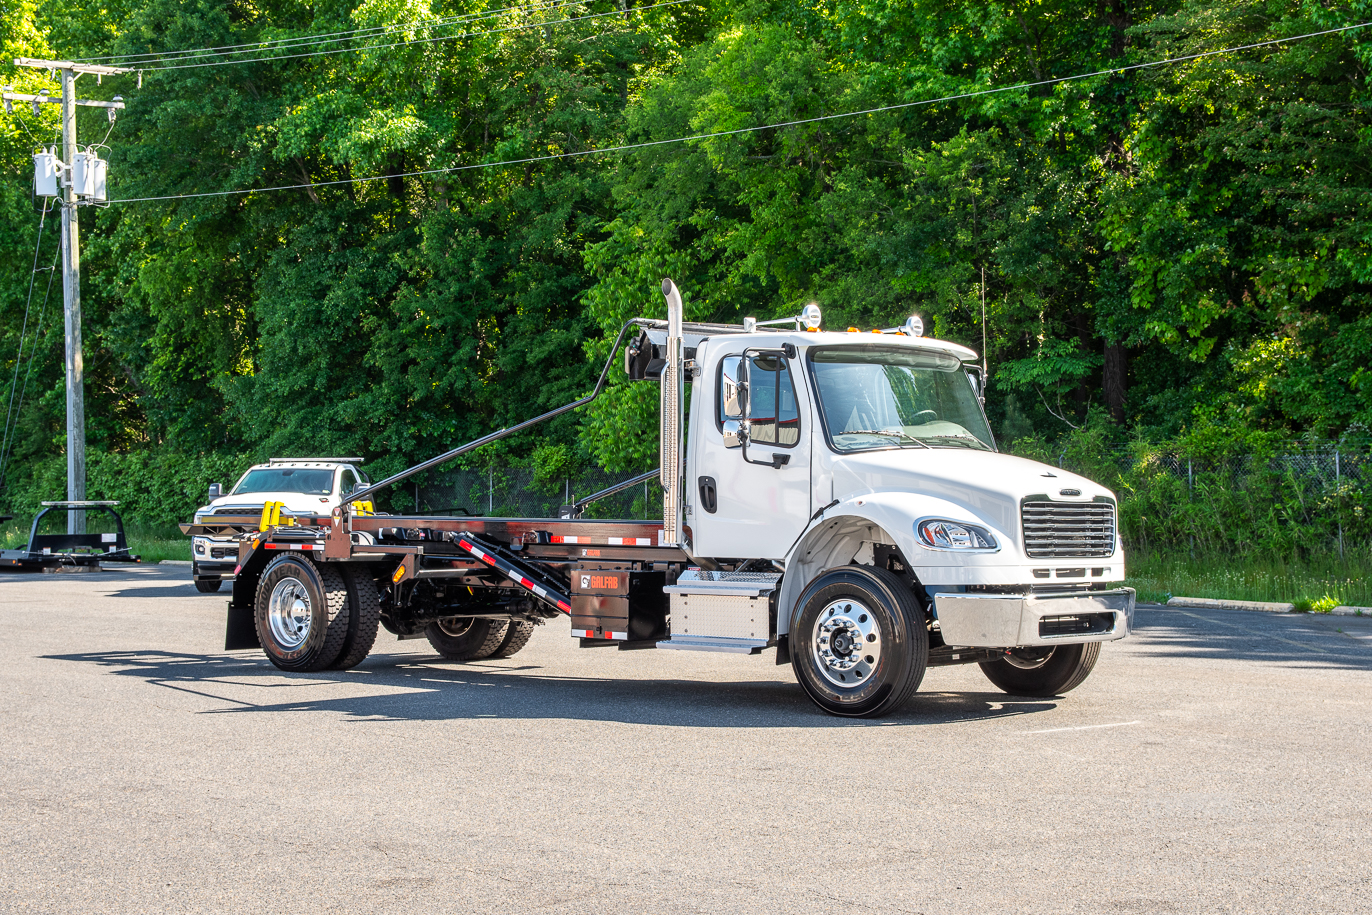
<point x="1084" y="727"/>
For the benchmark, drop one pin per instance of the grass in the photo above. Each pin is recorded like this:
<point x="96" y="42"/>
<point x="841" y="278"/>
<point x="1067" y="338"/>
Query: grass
<point x="152" y="542"/>
<point x="1319" y="583"/>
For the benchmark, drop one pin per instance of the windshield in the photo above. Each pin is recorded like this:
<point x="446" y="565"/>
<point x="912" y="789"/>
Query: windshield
<point x="286" y="479"/>
<point x="897" y="398"/>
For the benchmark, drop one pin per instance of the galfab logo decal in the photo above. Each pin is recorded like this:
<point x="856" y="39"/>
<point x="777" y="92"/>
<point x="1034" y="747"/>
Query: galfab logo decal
<point x="585" y="581"/>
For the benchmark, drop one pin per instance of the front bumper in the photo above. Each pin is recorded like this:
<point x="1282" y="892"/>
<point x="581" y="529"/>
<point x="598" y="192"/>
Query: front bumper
<point x="1014" y="620"/>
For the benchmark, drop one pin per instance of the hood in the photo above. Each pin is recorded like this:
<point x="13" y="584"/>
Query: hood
<point x="991" y="485"/>
<point x="297" y="503"/>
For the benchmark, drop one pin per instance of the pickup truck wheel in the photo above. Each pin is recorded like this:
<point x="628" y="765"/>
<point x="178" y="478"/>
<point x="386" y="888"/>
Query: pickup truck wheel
<point x="302" y="614"/>
<point x="208" y="585"/>
<point x="466" y="639"/>
<point x="859" y="644"/>
<point x="516" y="637"/>
<point x="364" y="620"/>
<point x="1042" y="671"/>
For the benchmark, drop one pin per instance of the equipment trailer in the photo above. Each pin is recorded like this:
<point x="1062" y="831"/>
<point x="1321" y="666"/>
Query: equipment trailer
<point x="839" y="498"/>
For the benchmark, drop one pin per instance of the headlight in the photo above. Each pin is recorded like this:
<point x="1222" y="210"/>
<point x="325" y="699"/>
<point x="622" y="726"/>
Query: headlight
<point x="940" y="534"/>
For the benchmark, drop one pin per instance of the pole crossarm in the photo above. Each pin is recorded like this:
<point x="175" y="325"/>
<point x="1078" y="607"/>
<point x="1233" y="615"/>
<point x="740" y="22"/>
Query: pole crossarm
<point x="57" y="100"/>
<point x="95" y="69"/>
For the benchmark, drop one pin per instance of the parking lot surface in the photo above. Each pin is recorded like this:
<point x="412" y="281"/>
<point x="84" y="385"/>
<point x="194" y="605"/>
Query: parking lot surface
<point x="1214" y="762"/>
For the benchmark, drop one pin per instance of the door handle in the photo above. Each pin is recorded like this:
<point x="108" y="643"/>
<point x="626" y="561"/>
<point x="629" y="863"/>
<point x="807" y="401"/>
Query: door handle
<point x="709" y="496"/>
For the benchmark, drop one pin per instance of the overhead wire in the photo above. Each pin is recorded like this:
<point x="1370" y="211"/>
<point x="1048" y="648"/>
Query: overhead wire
<point x="742" y="130"/>
<point x="133" y="60"/>
<point x="33" y="353"/>
<point x="24" y="327"/>
<point x="415" y="41"/>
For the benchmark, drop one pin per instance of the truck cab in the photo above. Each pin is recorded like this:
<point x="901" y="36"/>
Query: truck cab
<point x="300" y="486"/>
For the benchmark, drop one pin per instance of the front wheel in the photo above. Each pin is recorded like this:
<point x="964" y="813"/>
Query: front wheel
<point x="859" y="644"/>
<point x="208" y="585"/>
<point x="1042" y="671"/>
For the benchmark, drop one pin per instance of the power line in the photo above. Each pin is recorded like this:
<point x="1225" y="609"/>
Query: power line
<point x="725" y="133"/>
<point x="24" y="328"/>
<point x="417" y="41"/>
<point x="324" y="37"/>
<point x="33" y="353"/>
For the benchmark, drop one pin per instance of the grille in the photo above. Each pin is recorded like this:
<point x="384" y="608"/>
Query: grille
<point x="1054" y="529"/>
<point x="1081" y="624"/>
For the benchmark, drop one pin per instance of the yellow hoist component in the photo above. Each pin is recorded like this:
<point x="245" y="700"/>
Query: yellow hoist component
<point x="271" y="516"/>
<point x="362" y="509"/>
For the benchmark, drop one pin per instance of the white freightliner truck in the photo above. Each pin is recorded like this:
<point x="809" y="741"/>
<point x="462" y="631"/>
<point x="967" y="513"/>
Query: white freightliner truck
<point x="839" y="497"/>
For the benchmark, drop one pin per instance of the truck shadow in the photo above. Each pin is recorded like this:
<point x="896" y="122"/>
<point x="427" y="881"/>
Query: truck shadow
<point x="436" y="691"/>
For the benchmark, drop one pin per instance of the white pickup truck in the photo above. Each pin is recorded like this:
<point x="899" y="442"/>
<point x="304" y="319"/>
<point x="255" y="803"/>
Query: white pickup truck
<point x="839" y="497"/>
<point x="302" y="486"/>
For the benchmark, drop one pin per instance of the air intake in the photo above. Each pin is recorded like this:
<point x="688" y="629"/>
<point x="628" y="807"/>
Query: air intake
<point x="1062" y="529"/>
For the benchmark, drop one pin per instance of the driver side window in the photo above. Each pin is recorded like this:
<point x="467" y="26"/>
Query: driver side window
<point x="775" y="413"/>
<point x="347" y="482"/>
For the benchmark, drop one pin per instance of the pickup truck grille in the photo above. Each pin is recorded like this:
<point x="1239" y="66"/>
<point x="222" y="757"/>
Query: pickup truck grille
<point x="1053" y="529"/>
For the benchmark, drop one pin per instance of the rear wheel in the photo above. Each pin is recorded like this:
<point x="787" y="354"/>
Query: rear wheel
<point x="859" y="644"/>
<point x="365" y="601"/>
<point x="516" y="637"/>
<point x="466" y="639"/>
<point x="1046" y="671"/>
<point x="302" y="614"/>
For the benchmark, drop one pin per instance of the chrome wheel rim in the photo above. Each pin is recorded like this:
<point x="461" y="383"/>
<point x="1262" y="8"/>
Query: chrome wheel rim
<point x="846" y="643"/>
<point x="1028" y="658"/>
<point x="455" y="628"/>
<point x="289" y="613"/>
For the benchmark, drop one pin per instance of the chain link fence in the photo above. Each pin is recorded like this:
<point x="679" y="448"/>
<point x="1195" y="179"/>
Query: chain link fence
<point x="522" y="493"/>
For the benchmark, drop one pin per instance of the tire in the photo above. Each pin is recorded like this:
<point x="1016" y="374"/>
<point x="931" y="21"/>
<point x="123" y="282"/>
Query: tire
<point x="208" y="585"/>
<point x="517" y="635"/>
<point x="363" y="621"/>
<point x="302" y="614"/>
<point x="466" y="639"/>
<point x="879" y="608"/>
<point x="1042" y="672"/>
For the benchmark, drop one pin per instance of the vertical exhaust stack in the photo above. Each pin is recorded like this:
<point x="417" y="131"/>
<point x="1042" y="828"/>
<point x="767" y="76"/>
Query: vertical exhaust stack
<point x="673" y="406"/>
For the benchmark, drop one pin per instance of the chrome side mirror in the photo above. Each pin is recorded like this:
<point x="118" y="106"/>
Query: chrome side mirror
<point x="216" y="490"/>
<point x="731" y="436"/>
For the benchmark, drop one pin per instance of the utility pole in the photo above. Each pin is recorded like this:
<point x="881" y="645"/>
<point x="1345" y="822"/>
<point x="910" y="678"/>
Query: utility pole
<point x="71" y="267"/>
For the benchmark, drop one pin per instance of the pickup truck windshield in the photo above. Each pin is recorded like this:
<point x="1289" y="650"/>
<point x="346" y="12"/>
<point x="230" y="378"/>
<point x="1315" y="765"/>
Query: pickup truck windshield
<point x="897" y="398"/>
<point x="286" y="479"/>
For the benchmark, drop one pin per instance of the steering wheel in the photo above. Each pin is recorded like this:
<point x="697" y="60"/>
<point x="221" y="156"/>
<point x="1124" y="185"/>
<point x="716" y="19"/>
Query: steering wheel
<point x="924" y="416"/>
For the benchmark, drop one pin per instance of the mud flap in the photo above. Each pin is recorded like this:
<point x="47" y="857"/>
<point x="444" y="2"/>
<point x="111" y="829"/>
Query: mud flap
<point x="240" y="632"/>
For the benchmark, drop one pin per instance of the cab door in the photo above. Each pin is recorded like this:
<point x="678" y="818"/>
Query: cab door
<point x="742" y="510"/>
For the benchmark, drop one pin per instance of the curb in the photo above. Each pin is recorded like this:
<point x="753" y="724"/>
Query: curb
<point x="176" y="562"/>
<point x="1208" y="603"/>
<point x="1351" y="611"/>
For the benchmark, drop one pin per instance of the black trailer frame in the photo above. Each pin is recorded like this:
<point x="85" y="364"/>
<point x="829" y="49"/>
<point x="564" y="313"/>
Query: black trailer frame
<point x="52" y="551"/>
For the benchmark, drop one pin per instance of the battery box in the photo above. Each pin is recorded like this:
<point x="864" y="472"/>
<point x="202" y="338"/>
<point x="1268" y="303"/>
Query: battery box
<point x="618" y="604"/>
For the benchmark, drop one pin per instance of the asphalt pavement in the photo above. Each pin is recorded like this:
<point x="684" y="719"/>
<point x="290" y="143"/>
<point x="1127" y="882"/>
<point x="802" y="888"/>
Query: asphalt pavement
<point x="1216" y="761"/>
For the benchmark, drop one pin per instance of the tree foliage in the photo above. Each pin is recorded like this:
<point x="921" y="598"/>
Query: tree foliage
<point x="1181" y="245"/>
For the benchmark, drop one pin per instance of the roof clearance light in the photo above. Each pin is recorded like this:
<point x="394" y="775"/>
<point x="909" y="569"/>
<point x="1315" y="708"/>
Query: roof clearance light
<point x="810" y="316"/>
<point x="913" y="327"/>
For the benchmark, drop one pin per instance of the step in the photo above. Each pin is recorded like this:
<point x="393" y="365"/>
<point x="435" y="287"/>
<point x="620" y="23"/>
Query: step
<point x="711" y="643"/>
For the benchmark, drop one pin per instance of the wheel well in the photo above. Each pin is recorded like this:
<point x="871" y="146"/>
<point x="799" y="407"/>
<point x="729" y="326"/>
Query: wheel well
<point x="845" y="540"/>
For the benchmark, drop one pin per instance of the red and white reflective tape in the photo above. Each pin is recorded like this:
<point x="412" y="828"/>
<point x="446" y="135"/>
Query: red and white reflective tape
<point x="558" y="538"/>
<point x="631" y="541"/>
<point x="494" y="563"/>
<point x="294" y="546"/>
<point x="590" y="634"/>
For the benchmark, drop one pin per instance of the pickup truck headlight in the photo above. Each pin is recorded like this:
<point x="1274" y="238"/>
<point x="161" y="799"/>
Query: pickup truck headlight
<point x="941" y="534"/>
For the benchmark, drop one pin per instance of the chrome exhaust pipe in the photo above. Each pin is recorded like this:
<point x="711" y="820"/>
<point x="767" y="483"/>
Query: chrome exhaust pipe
<point x="673" y="405"/>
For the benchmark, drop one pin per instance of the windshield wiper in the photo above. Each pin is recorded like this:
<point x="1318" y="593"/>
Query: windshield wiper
<point x="887" y="432"/>
<point x="976" y="442"/>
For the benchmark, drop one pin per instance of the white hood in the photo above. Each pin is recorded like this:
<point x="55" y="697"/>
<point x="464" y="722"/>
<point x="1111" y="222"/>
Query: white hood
<point x="990" y="485"/>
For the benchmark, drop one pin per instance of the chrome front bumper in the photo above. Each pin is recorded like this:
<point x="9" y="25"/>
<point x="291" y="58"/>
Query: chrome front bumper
<point x="1013" y="620"/>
